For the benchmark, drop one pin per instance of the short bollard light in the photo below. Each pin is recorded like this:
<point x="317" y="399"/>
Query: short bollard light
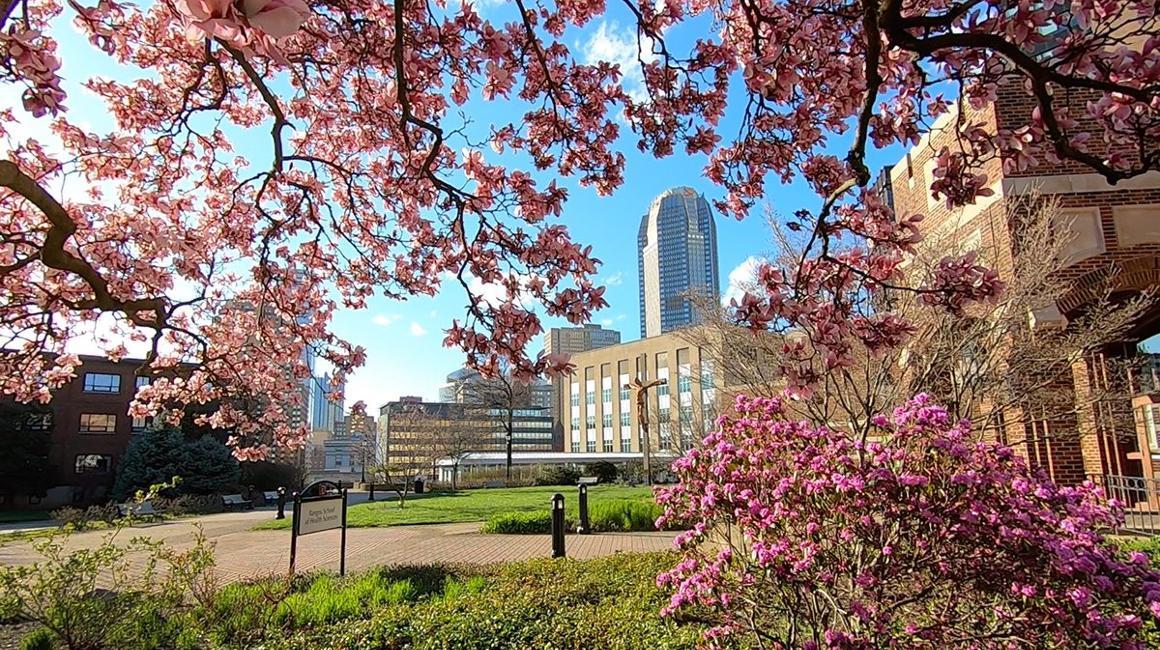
<point x="558" y="525"/>
<point x="281" y="503"/>
<point x="583" y="528"/>
<point x="372" y="496"/>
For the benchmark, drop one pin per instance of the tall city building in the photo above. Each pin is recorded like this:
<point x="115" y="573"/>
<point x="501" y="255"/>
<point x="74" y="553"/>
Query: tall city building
<point x="325" y="411"/>
<point x="677" y="254"/>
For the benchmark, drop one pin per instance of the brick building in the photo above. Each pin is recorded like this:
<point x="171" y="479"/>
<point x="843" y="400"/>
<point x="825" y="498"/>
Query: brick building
<point x="90" y="429"/>
<point x="1113" y="250"/>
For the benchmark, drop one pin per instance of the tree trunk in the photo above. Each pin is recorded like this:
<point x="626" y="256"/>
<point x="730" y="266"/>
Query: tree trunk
<point x="508" y="474"/>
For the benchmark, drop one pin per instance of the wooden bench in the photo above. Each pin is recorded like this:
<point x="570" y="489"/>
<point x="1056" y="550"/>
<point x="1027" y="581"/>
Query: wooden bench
<point x="232" y="501"/>
<point x="588" y="480"/>
<point x="137" y="509"/>
<point x="271" y="497"/>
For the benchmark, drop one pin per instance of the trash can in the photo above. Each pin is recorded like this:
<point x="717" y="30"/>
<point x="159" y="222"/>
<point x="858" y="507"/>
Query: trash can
<point x="418" y="486"/>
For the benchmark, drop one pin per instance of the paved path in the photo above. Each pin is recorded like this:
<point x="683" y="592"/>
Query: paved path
<point x="243" y="553"/>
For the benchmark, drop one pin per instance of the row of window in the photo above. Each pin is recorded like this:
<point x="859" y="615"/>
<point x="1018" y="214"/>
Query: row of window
<point x="101" y="382"/>
<point x="606" y="445"/>
<point x="107" y="423"/>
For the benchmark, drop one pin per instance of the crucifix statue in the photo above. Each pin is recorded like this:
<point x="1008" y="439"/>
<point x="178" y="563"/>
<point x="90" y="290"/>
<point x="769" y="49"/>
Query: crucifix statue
<point x="641" y="388"/>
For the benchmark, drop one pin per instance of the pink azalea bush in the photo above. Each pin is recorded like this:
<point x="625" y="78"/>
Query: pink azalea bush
<point x="919" y="537"/>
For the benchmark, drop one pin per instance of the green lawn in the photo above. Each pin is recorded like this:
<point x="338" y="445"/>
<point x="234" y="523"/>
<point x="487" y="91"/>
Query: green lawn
<point x="472" y="505"/>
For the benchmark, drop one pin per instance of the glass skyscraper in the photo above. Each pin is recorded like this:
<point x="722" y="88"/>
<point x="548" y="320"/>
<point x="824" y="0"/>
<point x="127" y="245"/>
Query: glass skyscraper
<point x="677" y="253"/>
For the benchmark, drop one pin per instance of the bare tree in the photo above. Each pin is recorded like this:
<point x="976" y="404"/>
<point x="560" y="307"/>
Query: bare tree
<point x="497" y="399"/>
<point x="455" y="438"/>
<point x="1006" y="366"/>
<point x="410" y="448"/>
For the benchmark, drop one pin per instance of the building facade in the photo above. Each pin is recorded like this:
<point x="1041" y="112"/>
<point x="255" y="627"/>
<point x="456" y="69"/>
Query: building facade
<point x="1112" y="251"/>
<point x="414" y="435"/>
<point x="570" y="341"/>
<point x="89" y="430"/>
<point x="600" y="413"/>
<point x="677" y="258"/>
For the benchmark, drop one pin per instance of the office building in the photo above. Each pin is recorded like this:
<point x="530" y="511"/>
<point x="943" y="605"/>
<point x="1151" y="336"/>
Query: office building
<point x="570" y="341"/>
<point x="677" y="257"/>
<point x="413" y="435"/>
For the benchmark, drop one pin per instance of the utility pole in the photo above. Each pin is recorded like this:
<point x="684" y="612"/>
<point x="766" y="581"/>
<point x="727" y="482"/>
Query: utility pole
<point x="641" y="389"/>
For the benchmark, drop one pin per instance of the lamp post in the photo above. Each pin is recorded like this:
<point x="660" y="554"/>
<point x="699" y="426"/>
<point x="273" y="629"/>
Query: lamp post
<point x="641" y="389"/>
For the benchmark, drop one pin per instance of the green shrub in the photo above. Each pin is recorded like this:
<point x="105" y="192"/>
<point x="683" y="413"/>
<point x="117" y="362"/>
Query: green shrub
<point x="38" y="639"/>
<point x="558" y="475"/>
<point x="603" y="470"/>
<point x="623" y="515"/>
<point x="519" y="523"/>
<point x="97" y="598"/>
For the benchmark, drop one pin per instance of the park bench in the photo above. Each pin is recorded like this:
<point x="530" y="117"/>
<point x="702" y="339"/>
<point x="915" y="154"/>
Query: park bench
<point x="588" y="480"/>
<point x="235" y="501"/>
<point x="137" y="509"/>
<point x="271" y="497"/>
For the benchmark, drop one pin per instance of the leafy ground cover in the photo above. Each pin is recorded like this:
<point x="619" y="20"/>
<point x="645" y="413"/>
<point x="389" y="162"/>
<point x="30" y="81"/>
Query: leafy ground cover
<point x="475" y="505"/>
<point x="611" y="603"/>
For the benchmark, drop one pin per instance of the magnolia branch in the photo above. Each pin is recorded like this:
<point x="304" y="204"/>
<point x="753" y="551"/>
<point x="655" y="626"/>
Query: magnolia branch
<point x="54" y="255"/>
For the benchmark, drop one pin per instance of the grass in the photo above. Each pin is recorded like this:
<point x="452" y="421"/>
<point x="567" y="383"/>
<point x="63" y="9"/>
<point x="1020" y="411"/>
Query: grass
<point x="473" y="505"/>
<point x="611" y="603"/>
<point x="17" y="516"/>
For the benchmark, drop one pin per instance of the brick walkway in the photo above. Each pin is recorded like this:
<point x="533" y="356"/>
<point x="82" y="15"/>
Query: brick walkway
<point x="243" y="553"/>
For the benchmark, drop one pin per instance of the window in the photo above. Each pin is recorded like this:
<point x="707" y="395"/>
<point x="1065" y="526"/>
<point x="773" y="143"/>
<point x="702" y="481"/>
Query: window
<point x="608" y="446"/>
<point x="606" y="395"/>
<point x="591" y="447"/>
<point x="99" y="382"/>
<point x="142" y="381"/>
<point x="623" y="394"/>
<point x="98" y="423"/>
<point x="684" y="384"/>
<point x="575" y="423"/>
<point x="590" y="398"/>
<point x="93" y="464"/>
<point x="575" y="446"/>
<point x="38" y="421"/>
<point x="664" y="415"/>
<point x="624" y="419"/>
<point x="626" y="444"/>
<point x="662" y="390"/>
<point x="607" y="420"/>
<point x="575" y="400"/>
<point x="141" y="424"/>
<point x="591" y="422"/>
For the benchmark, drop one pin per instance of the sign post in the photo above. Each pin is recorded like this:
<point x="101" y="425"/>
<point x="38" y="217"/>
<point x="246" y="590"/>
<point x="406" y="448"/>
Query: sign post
<point x="314" y="514"/>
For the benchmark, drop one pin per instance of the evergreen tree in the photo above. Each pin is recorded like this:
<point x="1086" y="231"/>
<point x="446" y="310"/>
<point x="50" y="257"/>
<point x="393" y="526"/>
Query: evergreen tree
<point x="24" y="465"/>
<point x="205" y="465"/>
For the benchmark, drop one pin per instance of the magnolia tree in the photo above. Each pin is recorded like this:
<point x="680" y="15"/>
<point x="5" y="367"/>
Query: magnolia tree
<point x="916" y="536"/>
<point x="369" y="181"/>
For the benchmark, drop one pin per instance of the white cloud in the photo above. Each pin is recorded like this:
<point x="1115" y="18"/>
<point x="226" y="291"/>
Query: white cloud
<point x="385" y="320"/>
<point x="613" y="44"/>
<point x="417" y="329"/>
<point x="494" y="293"/>
<point x="614" y="280"/>
<point x="742" y="278"/>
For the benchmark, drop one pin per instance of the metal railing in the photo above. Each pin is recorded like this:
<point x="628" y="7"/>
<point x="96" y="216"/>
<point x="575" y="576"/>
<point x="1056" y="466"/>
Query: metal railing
<point x="1140" y="498"/>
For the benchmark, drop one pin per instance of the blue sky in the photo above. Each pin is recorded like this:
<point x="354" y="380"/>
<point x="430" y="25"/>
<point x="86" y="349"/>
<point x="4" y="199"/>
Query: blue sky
<point x="403" y="339"/>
